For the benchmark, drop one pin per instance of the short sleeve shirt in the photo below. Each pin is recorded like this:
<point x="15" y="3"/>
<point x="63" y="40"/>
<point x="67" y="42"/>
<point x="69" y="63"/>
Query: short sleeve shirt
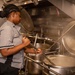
<point x="9" y="37"/>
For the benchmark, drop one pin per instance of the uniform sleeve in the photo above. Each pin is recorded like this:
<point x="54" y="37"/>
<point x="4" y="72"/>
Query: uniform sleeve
<point x="6" y="37"/>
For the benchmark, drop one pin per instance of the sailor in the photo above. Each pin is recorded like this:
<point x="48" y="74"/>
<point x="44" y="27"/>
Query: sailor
<point x="12" y="44"/>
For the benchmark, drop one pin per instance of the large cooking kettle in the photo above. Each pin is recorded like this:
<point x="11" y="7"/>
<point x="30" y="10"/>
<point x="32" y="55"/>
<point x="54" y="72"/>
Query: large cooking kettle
<point x="64" y="65"/>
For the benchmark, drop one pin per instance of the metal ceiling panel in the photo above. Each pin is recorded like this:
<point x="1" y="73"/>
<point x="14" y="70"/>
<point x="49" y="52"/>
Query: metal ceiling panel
<point x="21" y="2"/>
<point x="65" y="6"/>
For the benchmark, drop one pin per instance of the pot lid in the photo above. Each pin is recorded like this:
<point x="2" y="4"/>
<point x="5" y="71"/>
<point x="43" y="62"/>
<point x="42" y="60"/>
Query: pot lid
<point x="68" y="39"/>
<point x="26" y="21"/>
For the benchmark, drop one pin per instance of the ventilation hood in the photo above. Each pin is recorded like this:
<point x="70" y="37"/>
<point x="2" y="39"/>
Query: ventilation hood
<point x="67" y="6"/>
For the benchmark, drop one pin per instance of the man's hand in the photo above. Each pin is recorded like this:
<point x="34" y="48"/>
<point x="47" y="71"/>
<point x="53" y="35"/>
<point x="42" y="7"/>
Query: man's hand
<point x="32" y="50"/>
<point x="26" y="41"/>
<point x="39" y="51"/>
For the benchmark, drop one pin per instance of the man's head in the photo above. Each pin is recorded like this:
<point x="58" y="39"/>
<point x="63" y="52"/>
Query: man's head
<point x="12" y="13"/>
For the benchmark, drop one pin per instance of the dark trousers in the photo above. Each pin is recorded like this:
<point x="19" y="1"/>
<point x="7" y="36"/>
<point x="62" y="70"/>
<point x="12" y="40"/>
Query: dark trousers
<point x="6" y="69"/>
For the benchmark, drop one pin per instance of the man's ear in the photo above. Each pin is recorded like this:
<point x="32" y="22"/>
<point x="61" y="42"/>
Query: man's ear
<point x="12" y="14"/>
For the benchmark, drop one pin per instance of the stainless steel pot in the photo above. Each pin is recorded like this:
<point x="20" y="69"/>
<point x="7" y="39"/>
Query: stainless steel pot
<point x="64" y="65"/>
<point x="46" y="48"/>
<point x="43" y="46"/>
<point x="34" y="68"/>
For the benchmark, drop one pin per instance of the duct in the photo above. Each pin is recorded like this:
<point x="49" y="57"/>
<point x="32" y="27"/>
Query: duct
<point x="65" y="6"/>
<point x="21" y="2"/>
<point x="16" y="2"/>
